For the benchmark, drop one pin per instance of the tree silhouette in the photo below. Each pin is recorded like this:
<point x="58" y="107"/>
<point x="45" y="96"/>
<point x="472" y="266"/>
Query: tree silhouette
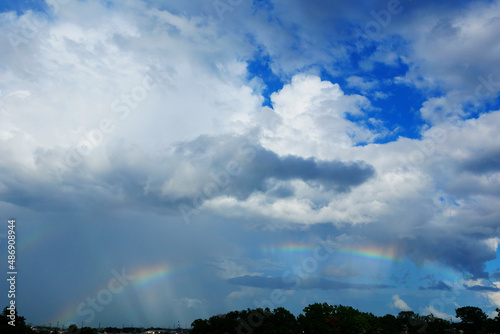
<point x="318" y="319"/>
<point x="281" y="321"/>
<point x="322" y="318"/>
<point x="20" y="323"/>
<point x="473" y="318"/>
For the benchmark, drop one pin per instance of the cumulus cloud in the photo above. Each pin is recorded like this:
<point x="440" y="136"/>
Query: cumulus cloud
<point x="432" y="310"/>
<point x="246" y="167"/>
<point x="465" y="74"/>
<point x="303" y="161"/>
<point x="494" y="296"/>
<point x="365" y="86"/>
<point x="150" y="107"/>
<point x="400" y="304"/>
<point x="312" y="119"/>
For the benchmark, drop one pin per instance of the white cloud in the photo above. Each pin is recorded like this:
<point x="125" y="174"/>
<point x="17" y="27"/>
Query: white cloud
<point x="492" y="243"/>
<point x="60" y="85"/>
<point x="400" y="304"/>
<point x="493" y="296"/>
<point x="361" y="83"/>
<point x="82" y="70"/>
<point x="474" y="282"/>
<point x="408" y="171"/>
<point x="84" y="67"/>
<point x="461" y="68"/>
<point x="313" y="120"/>
<point x="243" y="292"/>
<point x="229" y="268"/>
<point x="432" y="310"/>
<point x="191" y="303"/>
<point x="493" y="314"/>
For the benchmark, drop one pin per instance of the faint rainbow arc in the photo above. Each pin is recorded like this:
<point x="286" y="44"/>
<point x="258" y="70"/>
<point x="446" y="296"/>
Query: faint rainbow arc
<point x="141" y="278"/>
<point x="388" y="255"/>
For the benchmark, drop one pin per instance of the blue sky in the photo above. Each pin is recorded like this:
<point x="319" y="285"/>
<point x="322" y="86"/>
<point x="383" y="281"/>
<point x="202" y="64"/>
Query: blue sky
<point x="168" y="161"/>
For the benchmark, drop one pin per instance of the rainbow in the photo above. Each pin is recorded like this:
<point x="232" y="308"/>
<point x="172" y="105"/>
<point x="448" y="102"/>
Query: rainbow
<point x="146" y="276"/>
<point x="32" y="237"/>
<point x="369" y="253"/>
<point x="375" y="254"/>
<point x="288" y="248"/>
<point x="142" y="277"/>
<point x="439" y="269"/>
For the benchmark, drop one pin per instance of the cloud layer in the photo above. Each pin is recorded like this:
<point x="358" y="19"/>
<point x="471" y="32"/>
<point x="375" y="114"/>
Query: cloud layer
<point x="238" y="136"/>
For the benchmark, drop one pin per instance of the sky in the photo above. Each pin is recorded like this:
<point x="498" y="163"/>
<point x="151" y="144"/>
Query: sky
<point x="173" y="160"/>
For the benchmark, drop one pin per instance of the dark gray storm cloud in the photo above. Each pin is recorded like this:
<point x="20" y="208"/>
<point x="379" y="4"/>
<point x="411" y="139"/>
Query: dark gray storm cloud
<point x="305" y="284"/>
<point x="222" y="165"/>
<point x="484" y="163"/>
<point x="254" y="166"/>
<point x="438" y="285"/>
<point x="461" y="252"/>
<point x="459" y="247"/>
<point x="495" y="275"/>
<point x="333" y="175"/>
<point x="482" y="288"/>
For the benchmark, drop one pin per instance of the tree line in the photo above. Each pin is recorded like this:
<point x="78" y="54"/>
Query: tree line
<point x="317" y="319"/>
<point x="322" y="318"/>
<point x="20" y="326"/>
